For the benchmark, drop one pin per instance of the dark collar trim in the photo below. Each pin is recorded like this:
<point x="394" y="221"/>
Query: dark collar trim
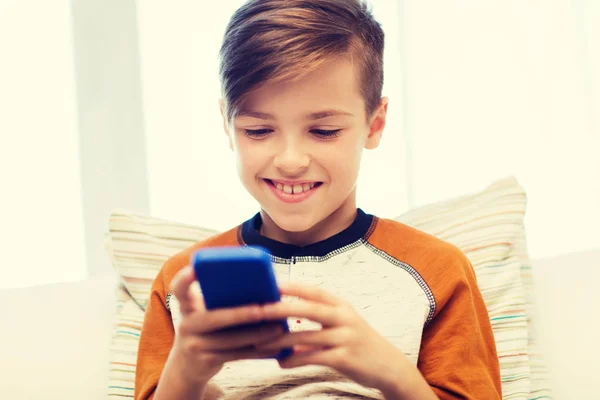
<point x="358" y="231"/>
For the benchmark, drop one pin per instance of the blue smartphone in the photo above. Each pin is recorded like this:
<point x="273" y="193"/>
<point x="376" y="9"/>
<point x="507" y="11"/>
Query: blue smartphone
<point x="237" y="276"/>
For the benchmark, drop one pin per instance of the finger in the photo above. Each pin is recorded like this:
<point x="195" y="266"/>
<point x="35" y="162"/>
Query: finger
<point x="312" y="293"/>
<point x="218" y="319"/>
<point x="326" y="358"/>
<point x="303" y="349"/>
<point x="181" y="286"/>
<point x="326" y="315"/>
<point x="312" y="339"/>
<point x="240" y="338"/>
<point x="300" y="348"/>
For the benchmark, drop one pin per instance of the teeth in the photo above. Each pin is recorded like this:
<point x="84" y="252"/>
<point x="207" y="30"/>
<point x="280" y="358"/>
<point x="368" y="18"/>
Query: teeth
<point x="295" y="189"/>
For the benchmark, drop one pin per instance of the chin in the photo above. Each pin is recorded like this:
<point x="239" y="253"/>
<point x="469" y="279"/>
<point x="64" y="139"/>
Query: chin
<point x="295" y="223"/>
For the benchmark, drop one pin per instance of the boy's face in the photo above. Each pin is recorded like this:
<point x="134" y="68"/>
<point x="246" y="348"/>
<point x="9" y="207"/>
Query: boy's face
<point x="298" y="146"/>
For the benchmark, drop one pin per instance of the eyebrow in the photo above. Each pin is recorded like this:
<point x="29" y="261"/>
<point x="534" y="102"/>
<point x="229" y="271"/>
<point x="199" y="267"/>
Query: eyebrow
<point x="312" y="116"/>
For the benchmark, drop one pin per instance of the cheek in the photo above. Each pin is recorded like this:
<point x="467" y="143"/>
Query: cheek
<point x="240" y="152"/>
<point x="244" y="163"/>
<point x="341" y="161"/>
<point x="250" y="158"/>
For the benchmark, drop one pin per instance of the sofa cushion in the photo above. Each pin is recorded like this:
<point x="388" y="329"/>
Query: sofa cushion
<point x="567" y="287"/>
<point x="54" y="339"/>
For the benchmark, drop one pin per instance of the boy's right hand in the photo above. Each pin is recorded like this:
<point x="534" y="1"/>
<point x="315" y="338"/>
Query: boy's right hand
<point x="201" y="346"/>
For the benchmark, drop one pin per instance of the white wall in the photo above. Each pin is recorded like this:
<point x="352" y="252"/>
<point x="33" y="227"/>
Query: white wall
<point x="112" y="146"/>
<point x="508" y="88"/>
<point x="72" y="144"/>
<point x="41" y="223"/>
<point x="191" y="171"/>
<point x="479" y="90"/>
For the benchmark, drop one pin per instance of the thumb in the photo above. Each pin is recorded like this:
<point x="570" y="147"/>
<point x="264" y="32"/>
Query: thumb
<point x="181" y="286"/>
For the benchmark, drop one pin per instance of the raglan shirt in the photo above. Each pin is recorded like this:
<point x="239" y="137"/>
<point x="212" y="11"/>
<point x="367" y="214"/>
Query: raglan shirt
<point x="417" y="291"/>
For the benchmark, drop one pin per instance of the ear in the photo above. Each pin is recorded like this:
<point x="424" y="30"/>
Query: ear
<point x="377" y="124"/>
<point x="225" y="123"/>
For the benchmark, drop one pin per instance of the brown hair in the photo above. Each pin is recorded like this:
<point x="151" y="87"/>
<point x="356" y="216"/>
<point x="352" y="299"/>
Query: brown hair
<point x="276" y="40"/>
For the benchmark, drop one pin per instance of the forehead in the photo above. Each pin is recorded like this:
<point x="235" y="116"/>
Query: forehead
<point x="335" y="85"/>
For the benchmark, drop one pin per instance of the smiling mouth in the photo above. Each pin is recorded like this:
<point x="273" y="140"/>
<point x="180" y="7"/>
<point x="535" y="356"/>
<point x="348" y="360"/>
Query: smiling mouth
<point x="297" y="188"/>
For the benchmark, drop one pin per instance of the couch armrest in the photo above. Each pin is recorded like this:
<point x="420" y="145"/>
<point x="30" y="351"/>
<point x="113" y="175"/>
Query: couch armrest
<point x="568" y="300"/>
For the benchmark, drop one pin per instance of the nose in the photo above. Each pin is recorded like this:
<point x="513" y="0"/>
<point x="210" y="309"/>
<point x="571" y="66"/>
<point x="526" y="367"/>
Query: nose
<point x="292" y="158"/>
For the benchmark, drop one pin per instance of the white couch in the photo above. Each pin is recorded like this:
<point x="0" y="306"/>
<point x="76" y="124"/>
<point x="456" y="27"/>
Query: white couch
<point x="54" y="339"/>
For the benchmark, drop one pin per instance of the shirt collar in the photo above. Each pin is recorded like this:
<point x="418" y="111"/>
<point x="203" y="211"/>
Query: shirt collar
<point x="359" y="229"/>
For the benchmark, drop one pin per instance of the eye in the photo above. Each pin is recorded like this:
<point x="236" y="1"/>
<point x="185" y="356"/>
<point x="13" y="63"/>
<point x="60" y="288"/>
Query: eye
<point x="257" y="133"/>
<point x="327" y="134"/>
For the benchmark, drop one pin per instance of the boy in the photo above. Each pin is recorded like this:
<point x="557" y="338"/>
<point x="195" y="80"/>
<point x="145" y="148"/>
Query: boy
<point x="376" y="309"/>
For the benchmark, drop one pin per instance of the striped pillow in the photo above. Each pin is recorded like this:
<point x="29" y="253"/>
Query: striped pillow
<point x="540" y="378"/>
<point x="138" y="246"/>
<point x="124" y="346"/>
<point x="487" y="227"/>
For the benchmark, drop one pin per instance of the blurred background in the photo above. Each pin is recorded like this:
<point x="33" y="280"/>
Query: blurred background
<point x="113" y="104"/>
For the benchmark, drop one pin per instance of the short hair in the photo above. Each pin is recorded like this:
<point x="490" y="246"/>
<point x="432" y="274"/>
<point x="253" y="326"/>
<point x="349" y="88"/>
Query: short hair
<point x="283" y="40"/>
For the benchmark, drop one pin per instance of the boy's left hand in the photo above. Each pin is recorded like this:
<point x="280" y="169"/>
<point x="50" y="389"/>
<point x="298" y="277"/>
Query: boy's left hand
<point x="347" y="343"/>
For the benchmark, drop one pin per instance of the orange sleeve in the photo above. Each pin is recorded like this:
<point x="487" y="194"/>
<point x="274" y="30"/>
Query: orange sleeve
<point x="458" y="353"/>
<point x="158" y="333"/>
<point x="156" y="340"/>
